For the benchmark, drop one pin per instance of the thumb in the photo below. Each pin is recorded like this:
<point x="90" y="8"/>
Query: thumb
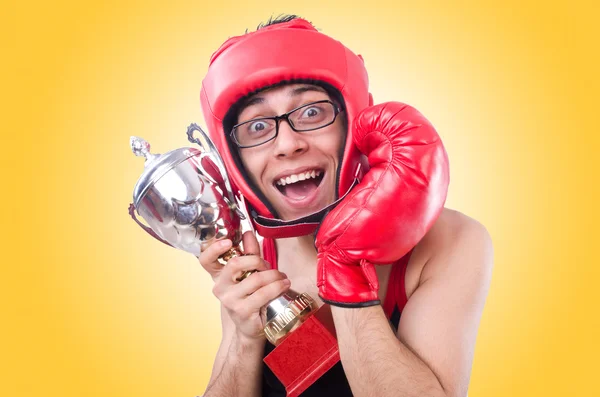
<point x="250" y="242"/>
<point x="209" y="257"/>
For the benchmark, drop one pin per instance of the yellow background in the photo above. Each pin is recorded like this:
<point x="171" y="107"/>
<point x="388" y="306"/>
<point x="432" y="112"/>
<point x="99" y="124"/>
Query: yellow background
<point x="92" y="306"/>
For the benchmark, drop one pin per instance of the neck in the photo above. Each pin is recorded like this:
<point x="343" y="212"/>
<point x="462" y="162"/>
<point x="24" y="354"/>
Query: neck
<point x="297" y="253"/>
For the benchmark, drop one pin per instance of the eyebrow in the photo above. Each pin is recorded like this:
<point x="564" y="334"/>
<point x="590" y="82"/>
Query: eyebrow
<point x="303" y="89"/>
<point x="295" y="92"/>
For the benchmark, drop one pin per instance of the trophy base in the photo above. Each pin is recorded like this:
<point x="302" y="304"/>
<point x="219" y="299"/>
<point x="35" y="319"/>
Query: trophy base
<point x="305" y="354"/>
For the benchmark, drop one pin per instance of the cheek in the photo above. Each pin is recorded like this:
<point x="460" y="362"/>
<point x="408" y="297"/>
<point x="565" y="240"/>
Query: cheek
<point x="334" y="143"/>
<point x="334" y="149"/>
<point x="254" y="164"/>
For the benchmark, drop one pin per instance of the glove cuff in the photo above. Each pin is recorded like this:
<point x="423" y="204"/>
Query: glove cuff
<point x="351" y="305"/>
<point x="342" y="282"/>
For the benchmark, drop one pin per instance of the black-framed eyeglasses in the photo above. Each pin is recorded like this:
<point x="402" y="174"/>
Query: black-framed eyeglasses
<point x="309" y="117"/>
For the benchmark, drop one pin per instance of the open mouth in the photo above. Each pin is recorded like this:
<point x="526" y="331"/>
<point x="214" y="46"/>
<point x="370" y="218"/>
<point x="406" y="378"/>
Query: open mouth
<point x="301" y="185"/>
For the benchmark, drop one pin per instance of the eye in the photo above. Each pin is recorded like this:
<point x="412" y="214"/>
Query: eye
<point x="257" y="127"/>
<point x="310" y="112"/>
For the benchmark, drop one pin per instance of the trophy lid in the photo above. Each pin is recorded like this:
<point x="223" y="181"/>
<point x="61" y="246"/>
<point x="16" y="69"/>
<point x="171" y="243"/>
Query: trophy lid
<point x="156" y="165"/>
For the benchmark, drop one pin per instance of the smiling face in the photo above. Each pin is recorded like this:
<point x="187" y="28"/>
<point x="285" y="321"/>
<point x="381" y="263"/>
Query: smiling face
<point x="296" y="171"/>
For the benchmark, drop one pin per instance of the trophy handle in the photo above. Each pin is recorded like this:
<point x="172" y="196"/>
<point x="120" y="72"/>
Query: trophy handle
<point x="146" y="228"/>
<point x="210" y="150"/>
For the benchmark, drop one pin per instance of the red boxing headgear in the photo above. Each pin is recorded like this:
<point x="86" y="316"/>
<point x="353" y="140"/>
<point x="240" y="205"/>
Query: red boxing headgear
<point x="293" y="51"/>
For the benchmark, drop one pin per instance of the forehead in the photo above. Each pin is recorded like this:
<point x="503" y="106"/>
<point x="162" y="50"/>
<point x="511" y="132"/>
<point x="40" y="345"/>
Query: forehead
<point x="286" y="90"/>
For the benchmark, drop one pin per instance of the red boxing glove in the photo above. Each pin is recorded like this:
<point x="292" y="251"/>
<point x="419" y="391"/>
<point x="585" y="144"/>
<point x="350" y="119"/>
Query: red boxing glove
<point x="389" y="211"/>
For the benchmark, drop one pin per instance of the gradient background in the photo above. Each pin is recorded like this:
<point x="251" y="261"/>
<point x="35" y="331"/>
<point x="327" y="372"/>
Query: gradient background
<point x="92" y="306"/>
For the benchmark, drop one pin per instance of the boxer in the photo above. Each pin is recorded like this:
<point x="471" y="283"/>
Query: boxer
<point x="348" y="196"/>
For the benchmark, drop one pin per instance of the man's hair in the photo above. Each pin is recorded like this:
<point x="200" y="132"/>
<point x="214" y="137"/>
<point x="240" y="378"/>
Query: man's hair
<point x="282" y="18"/>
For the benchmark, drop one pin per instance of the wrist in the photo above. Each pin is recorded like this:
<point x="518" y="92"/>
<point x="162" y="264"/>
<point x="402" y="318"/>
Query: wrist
<point x="349" y="318"/>
<point x="248" y="343"/>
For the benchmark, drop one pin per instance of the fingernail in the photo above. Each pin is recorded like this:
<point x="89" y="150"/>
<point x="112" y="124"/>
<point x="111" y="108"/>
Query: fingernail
<point x="225" y="243"/>
<point x="286" y="281"/>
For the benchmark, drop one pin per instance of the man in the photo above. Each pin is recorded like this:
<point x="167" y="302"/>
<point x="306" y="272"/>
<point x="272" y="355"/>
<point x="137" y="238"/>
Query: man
<point x="290" y="112"/>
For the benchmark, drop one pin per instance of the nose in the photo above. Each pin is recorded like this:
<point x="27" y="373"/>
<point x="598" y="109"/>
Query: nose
<point x="288" y="141"/>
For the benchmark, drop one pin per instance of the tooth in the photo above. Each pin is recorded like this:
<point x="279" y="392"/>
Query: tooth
<point x="302" y="177"/>
<point x="282" y="182"/>
<point x="288" y="180"/>
<point x="307" y="175"/>
<point x="294" y="178"/>
<point x="312" y="174"/>
<point x="318" y="173"/>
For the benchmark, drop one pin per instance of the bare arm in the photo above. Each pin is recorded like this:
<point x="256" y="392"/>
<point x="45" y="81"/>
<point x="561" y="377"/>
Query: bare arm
<point x="432" y="353"/>
<point x="237" y="369"/>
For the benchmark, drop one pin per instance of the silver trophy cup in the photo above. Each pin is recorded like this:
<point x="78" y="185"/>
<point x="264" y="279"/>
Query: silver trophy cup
<point x="186" y="199"/>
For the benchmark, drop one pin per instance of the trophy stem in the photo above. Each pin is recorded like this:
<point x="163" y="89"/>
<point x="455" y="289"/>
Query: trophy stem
<point x="232" y="253"/>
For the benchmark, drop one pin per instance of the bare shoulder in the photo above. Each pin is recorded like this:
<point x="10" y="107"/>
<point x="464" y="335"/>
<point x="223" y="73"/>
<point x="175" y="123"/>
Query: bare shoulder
<point x="455" y="243"/>
<point x="440" y="321"/>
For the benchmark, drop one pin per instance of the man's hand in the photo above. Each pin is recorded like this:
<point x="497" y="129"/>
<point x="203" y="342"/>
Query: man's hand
<point x="244" y="301"/>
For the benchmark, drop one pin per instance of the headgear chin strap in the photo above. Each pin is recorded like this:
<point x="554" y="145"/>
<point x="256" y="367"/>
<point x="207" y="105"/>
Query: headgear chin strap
<point x="290" y="51"/>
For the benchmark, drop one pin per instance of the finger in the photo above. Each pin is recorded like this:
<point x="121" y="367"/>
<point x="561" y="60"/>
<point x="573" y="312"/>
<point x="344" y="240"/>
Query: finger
<point x="256" y="281"/>
<point x="229" y="274"/>
<point x="208" y="257"/>
<point x="250" y="243"/>
<point x="238" y="265"/>
<point x="230" y="293"/>
<point x="266" y="294"/>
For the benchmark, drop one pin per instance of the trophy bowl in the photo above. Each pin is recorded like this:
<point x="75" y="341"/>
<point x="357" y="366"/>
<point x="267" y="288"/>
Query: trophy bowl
<point x="182" y="197"/>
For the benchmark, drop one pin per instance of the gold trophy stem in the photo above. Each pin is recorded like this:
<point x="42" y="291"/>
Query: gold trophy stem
<point x="232" y="253"/>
